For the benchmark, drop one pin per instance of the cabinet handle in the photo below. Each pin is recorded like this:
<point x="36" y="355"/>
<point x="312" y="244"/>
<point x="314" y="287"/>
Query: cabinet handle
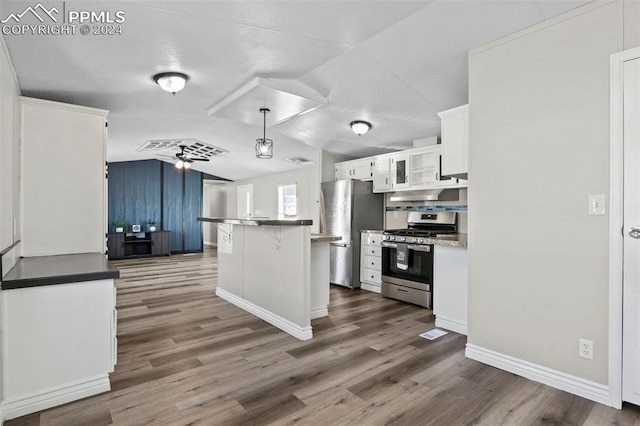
<point x="371" y="276"/>
<point x="373" y="263"/>
<point x="437" y="176"/>
<point x="386" y="180"/>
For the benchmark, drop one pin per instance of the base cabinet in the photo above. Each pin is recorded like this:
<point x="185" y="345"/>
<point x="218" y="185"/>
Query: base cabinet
<point x="60" y="344"/>
<point x="370" y="261"/>
<point x="121" y="245"/>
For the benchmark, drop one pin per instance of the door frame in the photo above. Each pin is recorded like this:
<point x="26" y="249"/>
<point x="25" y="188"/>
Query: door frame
<point x="616" y="221"/>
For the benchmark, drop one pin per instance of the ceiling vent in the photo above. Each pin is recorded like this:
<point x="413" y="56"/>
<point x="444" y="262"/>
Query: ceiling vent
<point x="300" y="160"/>
<point x="192" y="146"/>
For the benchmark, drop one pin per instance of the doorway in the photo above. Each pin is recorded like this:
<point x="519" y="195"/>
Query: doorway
<point x="624" y="290"/>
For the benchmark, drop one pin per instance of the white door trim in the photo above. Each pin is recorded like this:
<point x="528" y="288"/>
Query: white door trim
<point x="616" y="207"/>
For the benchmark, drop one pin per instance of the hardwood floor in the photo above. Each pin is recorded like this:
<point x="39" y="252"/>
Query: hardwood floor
<point x="188" y="357"/>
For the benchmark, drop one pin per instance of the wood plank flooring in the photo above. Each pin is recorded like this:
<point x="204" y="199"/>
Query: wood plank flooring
<point x="186" y="356"/>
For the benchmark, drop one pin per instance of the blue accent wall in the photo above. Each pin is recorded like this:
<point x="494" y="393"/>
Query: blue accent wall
<point x="192" y="209"/>
<point x="172" y="204"/>
<point x="152" y="189"/>
<point x="134" y="192"/>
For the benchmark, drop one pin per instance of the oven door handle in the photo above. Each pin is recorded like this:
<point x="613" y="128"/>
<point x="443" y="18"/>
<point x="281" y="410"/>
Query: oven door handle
<point x="414" y="247"/>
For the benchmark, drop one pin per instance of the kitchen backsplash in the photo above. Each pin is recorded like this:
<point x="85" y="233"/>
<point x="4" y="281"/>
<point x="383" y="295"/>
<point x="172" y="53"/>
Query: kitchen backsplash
<point x="396" y="212"/>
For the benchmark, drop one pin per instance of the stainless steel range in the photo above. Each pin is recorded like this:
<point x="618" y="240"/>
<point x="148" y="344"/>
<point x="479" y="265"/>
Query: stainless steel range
<point x="407" y="257"/>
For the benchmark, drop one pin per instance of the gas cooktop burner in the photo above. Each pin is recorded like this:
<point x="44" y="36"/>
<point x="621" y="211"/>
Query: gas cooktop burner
<point x="416" y="232"/>
<point x="423" y="225"/>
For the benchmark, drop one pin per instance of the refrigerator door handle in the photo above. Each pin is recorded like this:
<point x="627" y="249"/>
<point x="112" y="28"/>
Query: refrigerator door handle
<point x="340" y="244"/>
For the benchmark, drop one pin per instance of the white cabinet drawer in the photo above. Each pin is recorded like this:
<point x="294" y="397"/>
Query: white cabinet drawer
<point x="372" y="262"/>
<point x="375" y="251"/>
<point x="370" y="276"/>
<point x="374" y="239"/>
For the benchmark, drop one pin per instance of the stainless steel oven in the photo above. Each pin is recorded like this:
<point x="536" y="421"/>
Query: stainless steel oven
<point x="413" y="285"/>
<point x="409" y="277"/>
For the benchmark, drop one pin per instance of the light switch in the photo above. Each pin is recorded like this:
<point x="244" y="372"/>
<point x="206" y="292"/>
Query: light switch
<point x="596" y="204"/>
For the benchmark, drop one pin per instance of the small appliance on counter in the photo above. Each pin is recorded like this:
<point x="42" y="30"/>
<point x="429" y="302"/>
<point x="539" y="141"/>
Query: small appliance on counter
<point x="407" y="259"/>
<point x="349" y="206"/>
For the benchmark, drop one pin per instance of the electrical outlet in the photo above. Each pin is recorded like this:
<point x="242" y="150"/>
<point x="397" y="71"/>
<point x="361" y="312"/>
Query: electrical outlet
<point x="585" y="349"/>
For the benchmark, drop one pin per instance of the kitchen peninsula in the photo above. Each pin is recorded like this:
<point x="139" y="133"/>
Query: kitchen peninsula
<point x="265" y="267"/>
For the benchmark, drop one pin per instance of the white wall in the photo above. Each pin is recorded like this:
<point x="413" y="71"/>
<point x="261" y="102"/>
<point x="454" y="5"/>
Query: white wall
<point x="9" y="172"/>
<point x="213" y="205"/>
<point x="539" y="145"/>
<point x="9" y="150"/>
<point x="265" y="193"/>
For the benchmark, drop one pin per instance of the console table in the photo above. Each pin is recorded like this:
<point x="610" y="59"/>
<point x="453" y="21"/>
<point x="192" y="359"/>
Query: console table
<point x="124" y="245"/>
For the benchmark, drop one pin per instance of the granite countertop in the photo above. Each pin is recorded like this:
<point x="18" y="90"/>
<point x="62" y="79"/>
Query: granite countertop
<point x="453" y="240"/>
<point x="372" y="231"/>
<point x="322" y="238"/>
<point x="257" y="221"/>
<point x="61" y="269"/>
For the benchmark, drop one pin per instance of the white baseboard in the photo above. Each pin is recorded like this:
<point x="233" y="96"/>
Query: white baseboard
<point x="53" y="397"/>
<point x="209" y="243"/>
<point x="302" y="333"/>
<point x="370" y="287"/>
<point x="319" y="312"/>
<point x="557" y="379"/>
<point x="451" y="325"/>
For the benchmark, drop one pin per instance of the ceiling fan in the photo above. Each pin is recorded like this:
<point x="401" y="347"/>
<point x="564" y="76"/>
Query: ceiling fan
<point x="184" y="158"/>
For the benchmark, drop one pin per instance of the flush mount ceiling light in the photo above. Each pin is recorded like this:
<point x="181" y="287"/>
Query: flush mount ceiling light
<point x="360" y="127"/>
<point x="264" y="146"/>
<point x="171" y="82"/>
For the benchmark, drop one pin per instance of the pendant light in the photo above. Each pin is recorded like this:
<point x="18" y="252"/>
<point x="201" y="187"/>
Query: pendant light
<point x="264" y="146"/>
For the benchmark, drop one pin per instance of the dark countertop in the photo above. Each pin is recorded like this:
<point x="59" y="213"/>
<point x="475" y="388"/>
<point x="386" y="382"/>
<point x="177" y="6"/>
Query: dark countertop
<point x="258" y="221"/>
<point x="61" y="269"/>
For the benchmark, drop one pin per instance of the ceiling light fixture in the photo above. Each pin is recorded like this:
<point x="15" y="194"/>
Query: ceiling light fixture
<point x="360" y="127"/>
<point x="264" y="146"/>
<point x="171" y="82"/>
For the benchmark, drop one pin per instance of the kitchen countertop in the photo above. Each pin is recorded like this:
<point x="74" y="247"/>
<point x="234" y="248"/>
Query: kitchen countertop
<point x="453" y="240"/>
<point x="258" y="221"/>
<point x="321" y="238"/>
<point x="372" y="231"/>
<point x="61" y="269"/>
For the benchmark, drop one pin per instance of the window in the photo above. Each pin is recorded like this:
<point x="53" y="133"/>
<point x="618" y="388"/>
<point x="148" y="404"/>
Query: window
<point x="287" y="200"/>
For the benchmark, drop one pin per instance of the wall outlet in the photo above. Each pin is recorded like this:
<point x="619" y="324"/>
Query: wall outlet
<point x="585" y="349"/>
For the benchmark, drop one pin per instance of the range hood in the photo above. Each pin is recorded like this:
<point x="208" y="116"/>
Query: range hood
<point x="426" y="195"/>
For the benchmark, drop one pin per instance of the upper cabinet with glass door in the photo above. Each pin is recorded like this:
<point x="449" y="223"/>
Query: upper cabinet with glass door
<point x="400" y="169"/>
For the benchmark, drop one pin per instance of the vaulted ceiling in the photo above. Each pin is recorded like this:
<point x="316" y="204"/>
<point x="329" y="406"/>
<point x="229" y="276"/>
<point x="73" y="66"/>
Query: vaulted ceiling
<point x="392" y="63"/>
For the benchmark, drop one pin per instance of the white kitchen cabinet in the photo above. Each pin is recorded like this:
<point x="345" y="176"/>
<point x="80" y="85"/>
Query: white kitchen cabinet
<point x="381" y="174"/>
<point x="450" y="288"/>
<point x="455" y="141"/>
<point x="370" y="261"/>
<point x="361" y="169"/>
<point x="62" y="178"/>
<point x="400" y="169"/>
<point x="425" y="168"/>
<point x="60" y="344"/>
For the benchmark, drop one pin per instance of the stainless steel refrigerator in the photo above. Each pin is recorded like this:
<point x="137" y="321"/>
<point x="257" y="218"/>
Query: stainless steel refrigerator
<point x="349" y="207"/>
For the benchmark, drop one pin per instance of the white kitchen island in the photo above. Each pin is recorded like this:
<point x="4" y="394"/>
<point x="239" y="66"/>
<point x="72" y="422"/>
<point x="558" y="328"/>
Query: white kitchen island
<point x="265" y="267"/>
